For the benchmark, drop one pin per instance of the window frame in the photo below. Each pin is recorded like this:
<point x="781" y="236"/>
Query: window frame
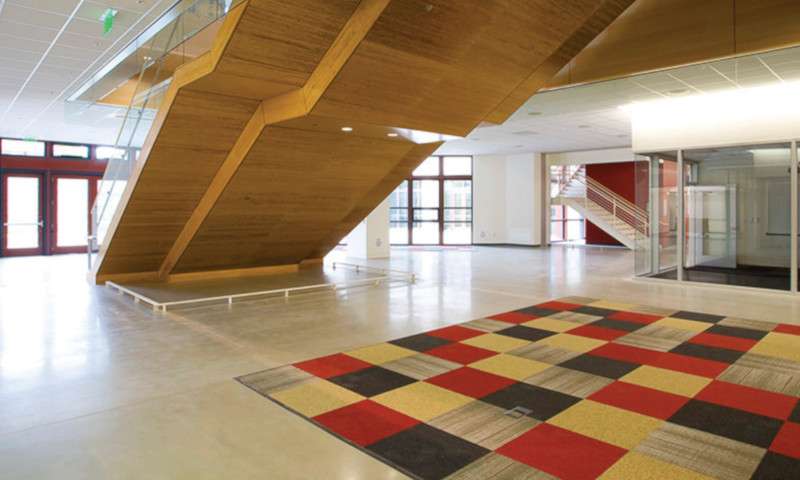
<point x="44" y="148"/>
<point x="88" y="156"/>
<point x="440" y="178"/>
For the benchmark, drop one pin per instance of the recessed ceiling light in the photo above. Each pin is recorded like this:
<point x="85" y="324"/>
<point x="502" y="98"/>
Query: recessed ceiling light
<point x="392" y="134"/>
<point x="347" y="129"/>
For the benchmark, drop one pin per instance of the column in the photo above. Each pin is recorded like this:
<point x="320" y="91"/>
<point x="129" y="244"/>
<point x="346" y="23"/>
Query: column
<point x="370" y="239"/>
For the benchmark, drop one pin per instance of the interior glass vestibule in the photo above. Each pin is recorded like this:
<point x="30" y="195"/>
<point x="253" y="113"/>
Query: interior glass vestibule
<point x="726" y="215"/>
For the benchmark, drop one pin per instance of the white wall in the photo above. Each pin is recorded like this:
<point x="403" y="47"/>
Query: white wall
<point x="370" y="238"/>
<point x="608" y="155"/>
<point x="488" y="199"/>
<point x="507" y="199"/>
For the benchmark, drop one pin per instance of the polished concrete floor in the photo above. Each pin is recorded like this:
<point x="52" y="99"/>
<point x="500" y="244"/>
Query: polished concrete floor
<point x="94" y="386"/>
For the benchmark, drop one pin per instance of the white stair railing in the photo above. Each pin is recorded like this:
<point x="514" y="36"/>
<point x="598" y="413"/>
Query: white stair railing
<point x="624" y="214"/>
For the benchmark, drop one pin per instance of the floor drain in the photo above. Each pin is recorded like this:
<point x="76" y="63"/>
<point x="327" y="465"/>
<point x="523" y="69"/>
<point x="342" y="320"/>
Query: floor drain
<point x="518" y="412"/>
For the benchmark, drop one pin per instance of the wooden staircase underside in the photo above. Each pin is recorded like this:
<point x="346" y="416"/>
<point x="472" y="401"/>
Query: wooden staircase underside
<point x="246" y="165"/>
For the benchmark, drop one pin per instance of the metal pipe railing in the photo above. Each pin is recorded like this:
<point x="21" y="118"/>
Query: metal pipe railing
<point x="623" y="212"/>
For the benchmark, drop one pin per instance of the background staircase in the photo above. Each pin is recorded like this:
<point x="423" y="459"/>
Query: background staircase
<point x="608" y="210"/>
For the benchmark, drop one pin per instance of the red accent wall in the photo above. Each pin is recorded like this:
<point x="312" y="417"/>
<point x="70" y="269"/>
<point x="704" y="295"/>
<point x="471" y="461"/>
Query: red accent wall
<point x="621" y="179"/>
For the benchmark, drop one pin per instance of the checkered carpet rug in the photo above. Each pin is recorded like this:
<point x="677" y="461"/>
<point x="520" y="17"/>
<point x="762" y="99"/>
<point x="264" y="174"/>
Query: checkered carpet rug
<point x="576" y="388"/>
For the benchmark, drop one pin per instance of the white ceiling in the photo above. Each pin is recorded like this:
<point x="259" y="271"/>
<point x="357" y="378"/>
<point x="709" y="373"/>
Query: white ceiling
<point x="47" y="49"/>
<point x="588" y="117"/>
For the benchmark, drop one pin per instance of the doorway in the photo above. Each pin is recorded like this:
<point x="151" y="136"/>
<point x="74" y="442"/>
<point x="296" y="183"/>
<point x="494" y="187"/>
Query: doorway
<point x="23" y="215"/>
<point x="73" y="196"/>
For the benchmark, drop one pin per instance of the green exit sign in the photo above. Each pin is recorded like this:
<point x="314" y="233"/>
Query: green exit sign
<point x="108" y="20"/>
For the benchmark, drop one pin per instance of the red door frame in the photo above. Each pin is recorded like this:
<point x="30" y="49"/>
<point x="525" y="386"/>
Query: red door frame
<point x="91" y="183"/>
<point x="6" y="252"/>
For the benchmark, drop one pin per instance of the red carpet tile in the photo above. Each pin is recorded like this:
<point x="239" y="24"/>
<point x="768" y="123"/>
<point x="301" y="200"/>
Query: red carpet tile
<point x="559" y="390"/>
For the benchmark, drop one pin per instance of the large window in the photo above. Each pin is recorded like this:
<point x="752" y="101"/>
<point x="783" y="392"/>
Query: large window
<point x="566" y="224"/>
<point x="109" y="153"/>
<point x="434" y="206"/>
<point x="26" y="148"/>
<point x="70" y="151"/>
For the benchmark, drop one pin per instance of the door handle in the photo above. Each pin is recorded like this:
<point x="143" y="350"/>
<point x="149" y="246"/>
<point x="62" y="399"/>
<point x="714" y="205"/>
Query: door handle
<point x="40" y="223"/>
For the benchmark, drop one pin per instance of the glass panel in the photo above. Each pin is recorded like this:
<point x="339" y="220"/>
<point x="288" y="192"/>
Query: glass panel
<point x="72" y="212"/>
<point x="642" y="252"/>
<point x="425" y="233"/>
<point x="458" y="233"/>
<point x="573" y="214"/>
<point x="576" y="229"/>
<point x="426" y="193"/>
<point x="72" y="151"/>
<point x="458" y="193"/>
<point x="557" y="231"/>
<point x="736" y="216"/>
<point x="556" y="212"/>
<point x="457" y="165"/>
<point x="430" y="167"/>
<point x="398" y="233"/>
<point x="426" y="215"/>
<point x="28" y="148"/>
<point x="105" y="153"/>
<point x="458" y="214"/>
<point x="659" y="249"/>
<point x="399" y="197"/>
<point x="22" y="230"/>
<point x="398" y="214"/>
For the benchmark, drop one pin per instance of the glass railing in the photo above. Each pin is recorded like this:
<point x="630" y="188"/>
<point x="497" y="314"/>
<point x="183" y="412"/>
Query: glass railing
<point x="157" y="59"/>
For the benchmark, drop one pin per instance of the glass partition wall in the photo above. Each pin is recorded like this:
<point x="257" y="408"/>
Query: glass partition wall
<point x="729" y="217"/>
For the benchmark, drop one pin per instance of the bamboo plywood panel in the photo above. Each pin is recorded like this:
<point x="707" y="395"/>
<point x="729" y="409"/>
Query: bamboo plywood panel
<point x="293" y="188"/>
<point x="766" y="24"/>
<point x="186" y="153"/>
<point x="658" y="34"/>
<point x="605" y="14"/>
<point x="445" y="68"/>
<point x="202" y="123"/>
<point x="437" y="65"/>
<point x="277" y="45"/>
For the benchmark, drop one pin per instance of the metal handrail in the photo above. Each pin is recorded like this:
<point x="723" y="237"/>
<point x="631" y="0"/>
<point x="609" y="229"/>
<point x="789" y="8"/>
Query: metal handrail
<point x="621" y="209"/>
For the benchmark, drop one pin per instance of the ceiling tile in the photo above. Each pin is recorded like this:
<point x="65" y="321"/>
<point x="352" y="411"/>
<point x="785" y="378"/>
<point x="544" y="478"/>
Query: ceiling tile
<point x="14" y="12"/>
<point x="61" y="7"/>
<point x="27" y="31"/>
<point x="22" y="44"/>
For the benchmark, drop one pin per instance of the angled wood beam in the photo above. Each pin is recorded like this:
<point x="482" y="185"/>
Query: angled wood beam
<point x="606" y="13"/>
<point x="293" y="104"/>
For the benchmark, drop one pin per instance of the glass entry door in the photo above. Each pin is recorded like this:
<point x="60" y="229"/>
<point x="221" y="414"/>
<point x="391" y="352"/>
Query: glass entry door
<point x="711" y="226"/>
<point x="23" y="223"/>
<point x="72" y="198"/>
